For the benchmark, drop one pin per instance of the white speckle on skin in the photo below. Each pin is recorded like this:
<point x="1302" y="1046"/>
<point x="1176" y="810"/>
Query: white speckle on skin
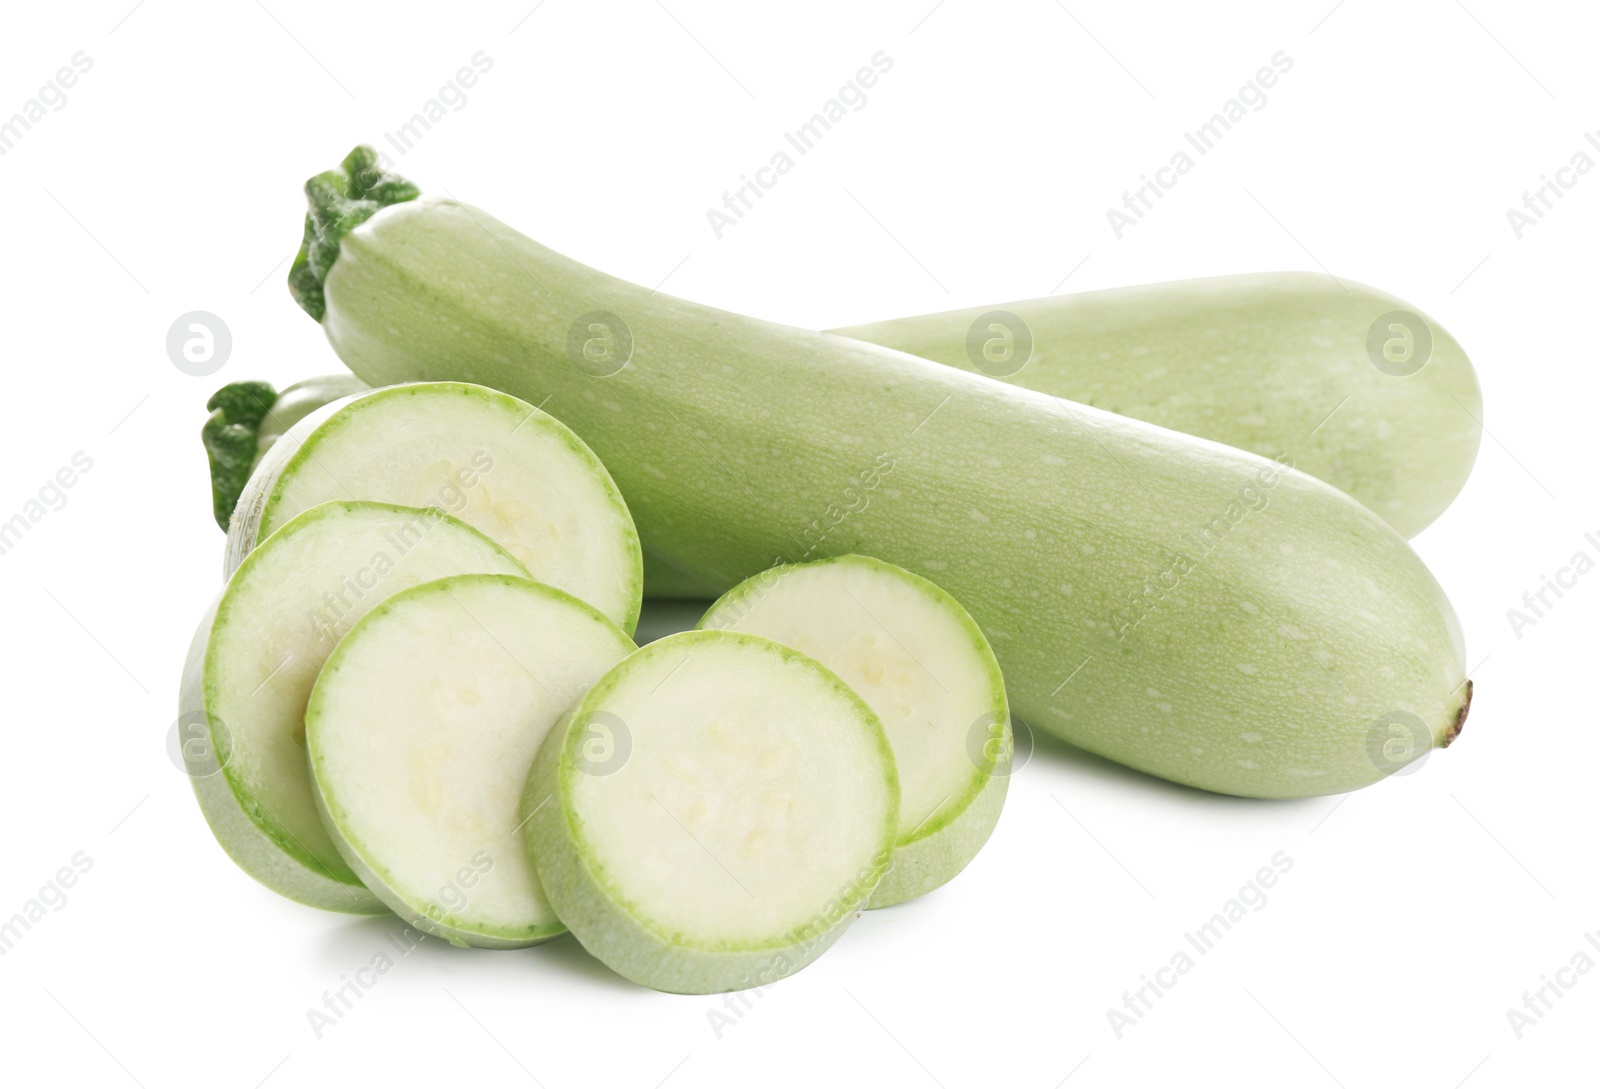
<point x="978" y="516"/>
<point x="1245" y="668"/>
<point x="1251" y="736"/>
<point x="1248" y="765"/>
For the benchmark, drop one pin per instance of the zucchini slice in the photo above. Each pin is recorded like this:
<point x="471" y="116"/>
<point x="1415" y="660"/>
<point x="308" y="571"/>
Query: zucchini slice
<point x="421" y="729"/>
<point x="497" y="463"/>
<point x="713" y="814"/>
<point x="915" y="655"/>
<point x="256" y="655"/>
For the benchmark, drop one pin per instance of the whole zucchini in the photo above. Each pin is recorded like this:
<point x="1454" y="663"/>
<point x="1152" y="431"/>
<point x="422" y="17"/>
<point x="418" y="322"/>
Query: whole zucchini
<point x="1359" y="388"/>
<point x="1183" y="607"/>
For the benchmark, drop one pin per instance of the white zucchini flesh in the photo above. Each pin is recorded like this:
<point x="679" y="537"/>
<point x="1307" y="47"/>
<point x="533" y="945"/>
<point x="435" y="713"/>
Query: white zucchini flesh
<point x="496" y="462"/>
<point x="257" y="654"/>
<point x="753" y="812"/>
<point x="918" y="659"/>
<point x="421" y="729"/>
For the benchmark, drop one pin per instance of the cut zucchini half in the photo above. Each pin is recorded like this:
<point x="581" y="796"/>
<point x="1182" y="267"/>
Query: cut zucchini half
<point x="258" y="652"/>
<point x="713" y="814"/>
<point x="421" y="729"/>
<point x="496" y="462"/>
<point x="914" y="654"/>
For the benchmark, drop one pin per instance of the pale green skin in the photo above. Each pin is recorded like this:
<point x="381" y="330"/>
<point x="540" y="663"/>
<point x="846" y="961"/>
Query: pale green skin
<point x="1256" y="361"/>
<point x="932" y="853"/>
<point x="300" y="400"/>
<point x="729" y="437"/>
<point x="251" y="835"/>
<point x="263" y="854"/>
<point x="452" y="926"/>
<point x="621" y="933"/>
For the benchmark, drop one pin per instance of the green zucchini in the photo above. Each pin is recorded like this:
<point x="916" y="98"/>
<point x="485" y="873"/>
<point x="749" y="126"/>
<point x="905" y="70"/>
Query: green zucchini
<point x="915" y="656"/>
<point x="256" y="655"/>
<point x="1362" y="390"/>
<point x="419" y="733"/>
<point x="497" y="463"/>
<point x="1183" y="607"/>
<point x="713" y="814"/>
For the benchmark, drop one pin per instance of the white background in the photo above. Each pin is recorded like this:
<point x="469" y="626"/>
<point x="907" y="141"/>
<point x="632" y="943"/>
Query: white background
<point x="1416" y="912"/>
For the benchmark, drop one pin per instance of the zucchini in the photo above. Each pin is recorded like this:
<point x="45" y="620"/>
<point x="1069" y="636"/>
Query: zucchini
<point x="915" y="655"/>
<point x="247" y="418"/>
<point x="256" y="655"/>
<point x="1186" y="608"/>
<point x="713" y="813"/>
<point x="497" y="463"/>
<point x="420" y="730"/>
<point x="1358" y="387"/>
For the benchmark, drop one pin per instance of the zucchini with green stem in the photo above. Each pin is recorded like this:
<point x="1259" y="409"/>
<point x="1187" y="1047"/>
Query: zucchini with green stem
<point x="247" y="418"/>
<point x="1186" y="608"/>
